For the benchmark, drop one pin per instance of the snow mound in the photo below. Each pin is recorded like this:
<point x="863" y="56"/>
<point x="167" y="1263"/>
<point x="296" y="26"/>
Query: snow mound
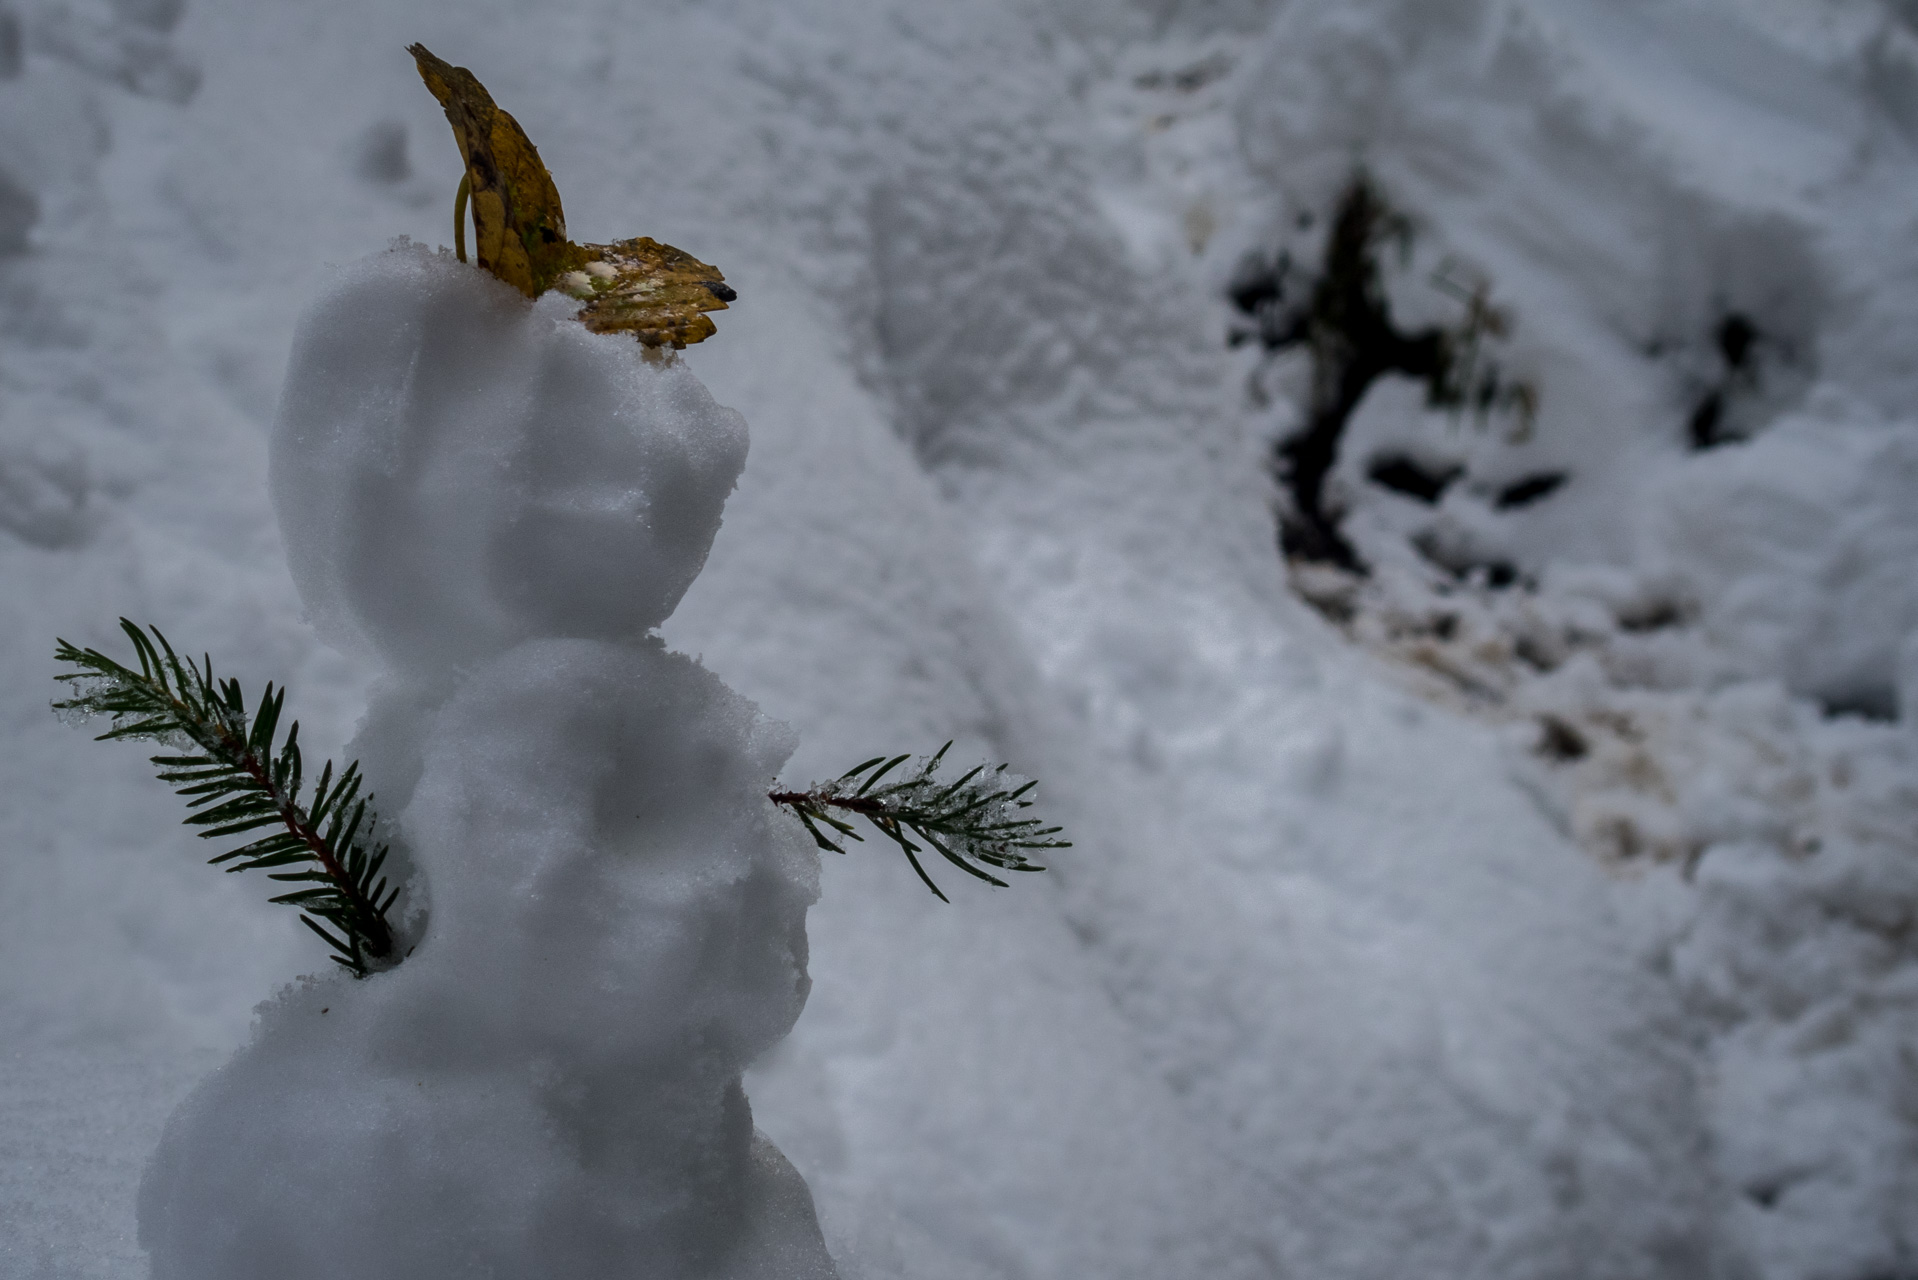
<point x="1802" y="569"/>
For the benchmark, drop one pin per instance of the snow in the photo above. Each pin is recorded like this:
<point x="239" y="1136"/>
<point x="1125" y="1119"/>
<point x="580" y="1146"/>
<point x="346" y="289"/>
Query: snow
<point x="605" y="921"/>
<point x="541" y="1085"/>
<point x="1357" y="966"/>
<point x="456" y="473"/>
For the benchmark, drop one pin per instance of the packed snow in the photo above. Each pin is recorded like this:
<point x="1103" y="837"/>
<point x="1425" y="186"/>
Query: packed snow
<point x="608" y="917"/>
<point x="1539" y="904"/>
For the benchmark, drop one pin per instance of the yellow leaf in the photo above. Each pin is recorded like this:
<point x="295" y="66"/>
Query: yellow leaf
<point x="519" y="227"/>
<point x="656" y="292"/>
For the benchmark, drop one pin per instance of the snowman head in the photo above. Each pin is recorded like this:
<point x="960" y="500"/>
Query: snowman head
<point x="457" y="470"/>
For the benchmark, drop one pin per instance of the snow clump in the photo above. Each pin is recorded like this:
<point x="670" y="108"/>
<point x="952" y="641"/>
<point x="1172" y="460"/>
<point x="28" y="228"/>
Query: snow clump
<point x="500" y="506"/>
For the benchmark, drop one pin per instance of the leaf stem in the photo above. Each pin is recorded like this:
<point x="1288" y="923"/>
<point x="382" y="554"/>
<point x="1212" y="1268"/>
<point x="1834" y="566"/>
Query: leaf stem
<point x="459" y="214"/>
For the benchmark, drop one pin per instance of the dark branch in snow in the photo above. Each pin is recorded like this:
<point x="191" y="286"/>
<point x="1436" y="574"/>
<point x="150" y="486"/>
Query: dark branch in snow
<point x="1345" y="322"/>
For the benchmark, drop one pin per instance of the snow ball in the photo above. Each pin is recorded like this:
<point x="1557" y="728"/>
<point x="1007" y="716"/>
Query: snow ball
<point x="457" y="470"/>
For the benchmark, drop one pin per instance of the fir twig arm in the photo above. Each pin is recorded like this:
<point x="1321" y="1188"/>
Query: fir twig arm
<point x="235" y="781"/>
<point x="972" y="820"/>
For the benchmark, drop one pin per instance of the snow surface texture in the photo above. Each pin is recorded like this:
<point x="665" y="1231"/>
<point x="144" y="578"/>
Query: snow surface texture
<point x="1555" y="929"/>
<point x="550" y="1083"/>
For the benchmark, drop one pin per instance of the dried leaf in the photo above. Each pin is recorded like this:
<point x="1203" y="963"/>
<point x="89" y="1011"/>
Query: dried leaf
<point x="656" y="292"/>
<point x="518" y="224"/>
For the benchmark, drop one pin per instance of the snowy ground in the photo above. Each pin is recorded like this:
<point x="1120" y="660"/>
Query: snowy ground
<point x="1562" y="928"/>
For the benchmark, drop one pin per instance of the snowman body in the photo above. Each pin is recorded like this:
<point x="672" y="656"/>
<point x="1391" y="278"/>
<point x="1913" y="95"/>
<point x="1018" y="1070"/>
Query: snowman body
<point x="499" y="507"/>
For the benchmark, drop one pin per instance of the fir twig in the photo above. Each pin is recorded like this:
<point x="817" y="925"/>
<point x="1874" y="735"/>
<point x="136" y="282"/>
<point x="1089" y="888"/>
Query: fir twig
<point x="969" y="821"/>
<point x="236" y="781"/>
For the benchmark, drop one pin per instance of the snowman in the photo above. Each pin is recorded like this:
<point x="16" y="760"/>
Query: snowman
<point x="607" y="919"/>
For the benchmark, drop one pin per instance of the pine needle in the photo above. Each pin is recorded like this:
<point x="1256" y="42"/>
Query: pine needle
<point x="972" y="822"/>
<point x="235" y="781"/>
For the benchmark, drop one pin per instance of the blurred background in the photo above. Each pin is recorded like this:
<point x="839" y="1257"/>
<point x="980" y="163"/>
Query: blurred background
<point x="1429" y="486"/>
